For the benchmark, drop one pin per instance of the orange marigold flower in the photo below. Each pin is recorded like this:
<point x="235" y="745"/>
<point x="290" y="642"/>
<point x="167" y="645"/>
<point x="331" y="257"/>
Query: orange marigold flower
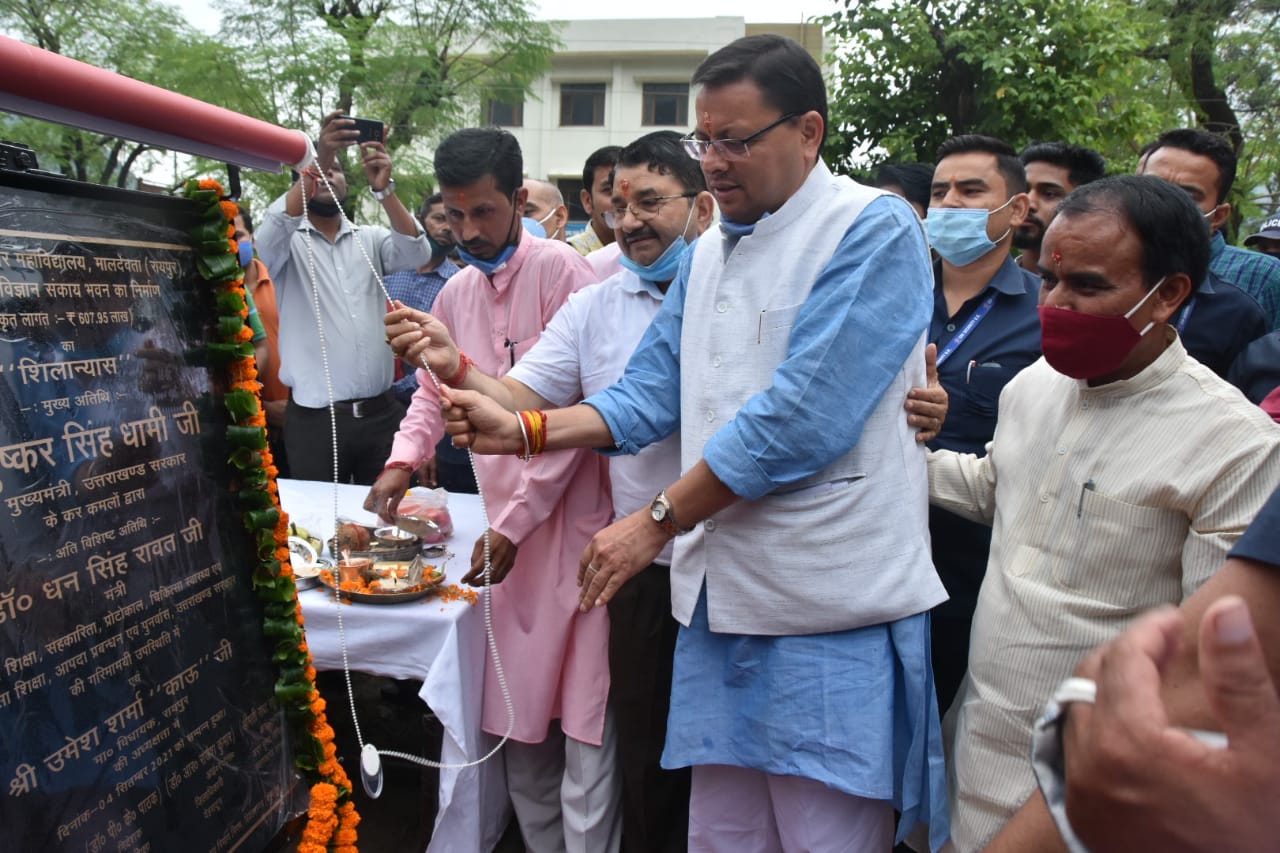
<point x="230" y="209"/>
<point x="211" y="184"/>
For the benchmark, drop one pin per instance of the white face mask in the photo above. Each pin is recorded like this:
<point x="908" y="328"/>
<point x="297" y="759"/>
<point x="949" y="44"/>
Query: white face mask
<point x="543" y="221"/>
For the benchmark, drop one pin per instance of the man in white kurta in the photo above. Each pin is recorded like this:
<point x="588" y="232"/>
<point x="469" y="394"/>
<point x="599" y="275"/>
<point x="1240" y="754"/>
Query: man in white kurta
<point x="1107" y="496"/>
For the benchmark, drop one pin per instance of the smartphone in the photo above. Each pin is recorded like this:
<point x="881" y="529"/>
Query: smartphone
<point x="371" y="130"/>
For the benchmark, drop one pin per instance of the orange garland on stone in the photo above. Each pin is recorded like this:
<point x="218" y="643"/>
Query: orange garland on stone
<point x="326" y="820"/>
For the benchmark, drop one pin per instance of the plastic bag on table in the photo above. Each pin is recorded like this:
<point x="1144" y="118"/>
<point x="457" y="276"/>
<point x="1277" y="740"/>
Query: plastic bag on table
<point x="431" y="504"/>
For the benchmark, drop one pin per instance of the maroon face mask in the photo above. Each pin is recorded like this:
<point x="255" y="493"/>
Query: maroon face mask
<point x="1086" y="346"/>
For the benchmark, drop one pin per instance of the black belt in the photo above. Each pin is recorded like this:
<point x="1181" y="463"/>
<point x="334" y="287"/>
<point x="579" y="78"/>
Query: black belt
<point x="365" y="408"/>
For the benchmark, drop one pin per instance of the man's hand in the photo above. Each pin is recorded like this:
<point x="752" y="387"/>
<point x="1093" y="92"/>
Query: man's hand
<point x="617" y="554"/>
<point x="385" y="494"/>
<point x="427" y="473"/>
<point x="927" y="407"/>
<point x="336" y="133"/>
<point x="377" y="164"/>
<point x="413" y="334"/>
<point x="1134" y="782"/>
<point x="502" y="556"/>
<point x="477" y="422"/>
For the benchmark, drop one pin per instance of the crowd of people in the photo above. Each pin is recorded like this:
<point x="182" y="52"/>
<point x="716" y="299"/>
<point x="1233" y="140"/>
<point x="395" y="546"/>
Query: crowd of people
<point x="818" y="508"/>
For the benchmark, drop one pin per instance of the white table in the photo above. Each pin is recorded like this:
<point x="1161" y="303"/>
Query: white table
<point x="442" y="644"/>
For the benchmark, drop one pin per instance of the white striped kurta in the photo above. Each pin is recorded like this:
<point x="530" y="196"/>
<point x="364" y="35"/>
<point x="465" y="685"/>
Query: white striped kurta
<point x="1104" y="502"/>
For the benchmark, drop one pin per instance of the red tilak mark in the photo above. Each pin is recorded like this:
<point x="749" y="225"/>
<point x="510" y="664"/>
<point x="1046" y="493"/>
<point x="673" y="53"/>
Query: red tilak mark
<point x="1057" y="257"/>
<point x="626" y="186"/>
<point x="706" y="122"/>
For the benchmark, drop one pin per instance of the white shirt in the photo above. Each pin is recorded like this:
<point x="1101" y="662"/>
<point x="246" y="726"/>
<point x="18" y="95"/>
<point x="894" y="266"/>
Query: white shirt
<point x="585" y="349"/>
<point x="605" y="261"/>
<point x="352" y="304"/>
<point x="1104" y="501"/>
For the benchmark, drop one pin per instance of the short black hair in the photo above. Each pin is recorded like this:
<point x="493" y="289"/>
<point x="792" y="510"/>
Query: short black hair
<point x="428" y="202"/>
<point x="789" y="78"/>
<point x="1007" y="162"/>
<point x="1083" y="165"/>
<point x="916" y="180"/>
<point x="664" y="153"/>
<point x="466" y="156"/>
<point x="606" y="156"/>
<point x="1206" y="144"/>
<point x="1174" y="236"/>
<point x="245" y="216"/>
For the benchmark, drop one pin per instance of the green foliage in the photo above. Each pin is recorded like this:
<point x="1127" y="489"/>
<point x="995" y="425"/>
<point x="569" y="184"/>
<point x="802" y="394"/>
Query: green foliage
<point x="421" y="66"/>
<point x="1110" y="74"/>
<point x="911" y="73"/>
<point x="143" y="39"/>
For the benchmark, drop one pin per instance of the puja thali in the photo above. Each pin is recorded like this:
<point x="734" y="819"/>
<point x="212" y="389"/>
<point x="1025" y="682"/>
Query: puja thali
<point x="387" y="582"/>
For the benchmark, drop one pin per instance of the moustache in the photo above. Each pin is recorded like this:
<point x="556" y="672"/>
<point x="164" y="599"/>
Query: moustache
<point x="645" y="233"/>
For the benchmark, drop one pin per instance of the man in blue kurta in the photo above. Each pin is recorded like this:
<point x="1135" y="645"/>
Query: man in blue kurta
<point x="802" y="579"/>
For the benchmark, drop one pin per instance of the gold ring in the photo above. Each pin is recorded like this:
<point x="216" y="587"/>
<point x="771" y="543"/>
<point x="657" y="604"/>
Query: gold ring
<point x="591" y="570"/>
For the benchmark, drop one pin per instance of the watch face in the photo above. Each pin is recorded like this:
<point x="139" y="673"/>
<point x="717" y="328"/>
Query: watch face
<point x="658" y="511"/>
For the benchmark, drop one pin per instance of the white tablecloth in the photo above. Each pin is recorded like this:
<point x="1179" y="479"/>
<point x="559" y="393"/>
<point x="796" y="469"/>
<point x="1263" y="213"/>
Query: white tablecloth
<point x="443" y="644"/>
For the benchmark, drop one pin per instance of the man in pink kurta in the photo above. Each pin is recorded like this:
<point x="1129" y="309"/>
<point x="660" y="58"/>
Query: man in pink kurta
<point x="564" y="787"/>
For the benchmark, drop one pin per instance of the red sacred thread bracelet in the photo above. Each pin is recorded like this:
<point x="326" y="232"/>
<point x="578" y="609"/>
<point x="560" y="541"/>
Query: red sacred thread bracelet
<point x="464" y="364"/>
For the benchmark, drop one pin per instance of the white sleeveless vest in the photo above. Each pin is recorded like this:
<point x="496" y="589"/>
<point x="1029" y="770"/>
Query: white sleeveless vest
<point x="847" y="547"/>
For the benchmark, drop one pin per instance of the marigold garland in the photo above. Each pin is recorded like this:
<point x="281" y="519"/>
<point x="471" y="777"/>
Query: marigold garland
<point x="332" y="816"/>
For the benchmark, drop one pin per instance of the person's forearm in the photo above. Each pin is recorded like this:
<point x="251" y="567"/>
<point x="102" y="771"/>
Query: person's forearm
<point x="698" y="495"/>
<point x="293" y="198"/>
<point x="577" y="426"/>
<point x="1030" y="830"/>
<point x="262" y="355"/>
<point x="512" y="394"/>
<point x="401" y="219"/>
<point x="1260" y="587"/>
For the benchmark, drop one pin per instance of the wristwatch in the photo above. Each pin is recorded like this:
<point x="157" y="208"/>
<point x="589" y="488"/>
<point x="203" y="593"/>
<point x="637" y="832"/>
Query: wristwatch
<point x="664" y="516"/>
<point x="389" y="189"/>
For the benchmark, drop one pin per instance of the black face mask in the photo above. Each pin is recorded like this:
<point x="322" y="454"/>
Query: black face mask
<point x="438" y="249"/>
<point x="323" y="208"/>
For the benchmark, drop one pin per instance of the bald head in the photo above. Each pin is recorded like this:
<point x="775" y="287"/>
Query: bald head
<point x="546" y="204"/>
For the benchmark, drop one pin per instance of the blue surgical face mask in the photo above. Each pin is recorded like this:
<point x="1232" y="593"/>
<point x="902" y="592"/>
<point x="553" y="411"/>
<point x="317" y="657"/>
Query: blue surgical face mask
<point x="533" y="226"/>
<point x="668" y="263"/>
<point x="492" y="265"/>
<point x="959" y="234"/>
<point x="246" y="252"/>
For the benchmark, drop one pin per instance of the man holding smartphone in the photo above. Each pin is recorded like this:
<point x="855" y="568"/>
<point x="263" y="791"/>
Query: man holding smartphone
<point x="341" y="287"/>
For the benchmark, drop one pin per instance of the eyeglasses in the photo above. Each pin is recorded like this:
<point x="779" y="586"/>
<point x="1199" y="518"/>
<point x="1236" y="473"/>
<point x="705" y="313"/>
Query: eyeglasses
<point x="643" y="209"/>
<point x="729" y="149"/>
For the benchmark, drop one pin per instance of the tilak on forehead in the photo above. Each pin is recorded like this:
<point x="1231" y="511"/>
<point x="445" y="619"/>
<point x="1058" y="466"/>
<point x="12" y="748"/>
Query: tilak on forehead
<point x="1057" y="257"/>
<point x="706" y="121"/>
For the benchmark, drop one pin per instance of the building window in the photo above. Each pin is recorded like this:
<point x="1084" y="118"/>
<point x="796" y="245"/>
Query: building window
<point x="666" y="104"/>
<point x="571" y="189"/>
<point x="504" y="113"/>
<point x="582" y="104"/>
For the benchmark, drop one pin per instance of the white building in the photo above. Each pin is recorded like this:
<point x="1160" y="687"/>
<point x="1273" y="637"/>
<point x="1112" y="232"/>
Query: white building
<point x="614" y="81"/>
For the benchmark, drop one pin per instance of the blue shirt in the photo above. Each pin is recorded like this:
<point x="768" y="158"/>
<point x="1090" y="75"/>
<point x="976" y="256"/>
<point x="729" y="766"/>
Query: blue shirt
<point x="1218" y="321"/>
<point x="851" y="337"/>
<point x="1261" y="541"/>
<point x="416" y="290"/>
<point x="1257" y="371"/>
<point x="1005" y="341"/>
<point x="1253" y="272"/>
